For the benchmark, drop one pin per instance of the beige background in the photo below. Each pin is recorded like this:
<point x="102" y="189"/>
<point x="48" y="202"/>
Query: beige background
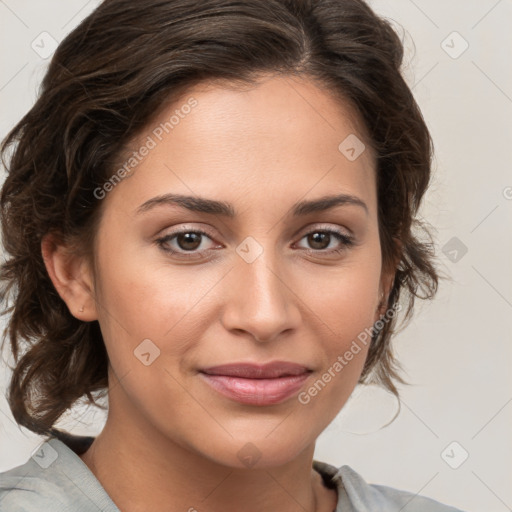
<point x="458" y="350"/>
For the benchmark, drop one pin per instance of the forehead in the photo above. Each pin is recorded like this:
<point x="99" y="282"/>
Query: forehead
<point x="276" y="109"/>
<point x="281" y="135"/>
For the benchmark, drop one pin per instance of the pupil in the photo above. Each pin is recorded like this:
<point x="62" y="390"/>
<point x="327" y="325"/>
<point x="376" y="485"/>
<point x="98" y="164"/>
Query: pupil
<point x="191" y="241"/>
<point x="319" y="238"/>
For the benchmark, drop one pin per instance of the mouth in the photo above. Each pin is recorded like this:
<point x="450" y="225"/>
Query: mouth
<point x="254" y="384"/>
<point x="270" y="370"/>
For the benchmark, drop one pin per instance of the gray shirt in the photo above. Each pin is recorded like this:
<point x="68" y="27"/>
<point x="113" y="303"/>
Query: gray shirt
<point x="55" y="479"/>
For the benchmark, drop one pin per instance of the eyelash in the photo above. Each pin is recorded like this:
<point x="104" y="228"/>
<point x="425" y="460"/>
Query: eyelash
<point x="346" y="241"/>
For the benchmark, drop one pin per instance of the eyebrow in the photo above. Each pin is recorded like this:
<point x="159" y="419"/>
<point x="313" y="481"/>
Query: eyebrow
<point x="212" y="206"/>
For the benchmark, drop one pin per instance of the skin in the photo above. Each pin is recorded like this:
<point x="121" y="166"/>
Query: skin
<point x="170" y="441"/>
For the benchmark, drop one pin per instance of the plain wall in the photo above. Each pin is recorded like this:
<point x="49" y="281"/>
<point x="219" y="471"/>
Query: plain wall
<point x="457" y="351"/>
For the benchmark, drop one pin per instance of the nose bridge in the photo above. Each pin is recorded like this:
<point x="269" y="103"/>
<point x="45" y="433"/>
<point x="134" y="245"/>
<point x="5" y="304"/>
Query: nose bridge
<point x="260" y="300"/>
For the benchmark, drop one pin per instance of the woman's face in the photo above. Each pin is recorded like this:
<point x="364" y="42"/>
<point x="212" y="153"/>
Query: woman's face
<point x="269" y="282"/>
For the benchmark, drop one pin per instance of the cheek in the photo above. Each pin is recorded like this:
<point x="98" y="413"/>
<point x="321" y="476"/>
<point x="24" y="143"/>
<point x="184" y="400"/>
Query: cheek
<point x="344" y="306"/>
<point x="345" y="347"/>
<point x="345" y="299"/>
<point x="169" y="305"/>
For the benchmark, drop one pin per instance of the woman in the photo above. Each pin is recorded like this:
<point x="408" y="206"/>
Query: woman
<point x="208" y="213"/>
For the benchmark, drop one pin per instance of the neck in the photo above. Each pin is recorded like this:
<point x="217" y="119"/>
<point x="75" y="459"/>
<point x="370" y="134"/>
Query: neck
<point x="143" y="470"/>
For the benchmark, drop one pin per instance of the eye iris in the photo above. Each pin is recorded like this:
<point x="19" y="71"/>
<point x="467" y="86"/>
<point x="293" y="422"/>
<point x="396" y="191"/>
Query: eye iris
<point x="319" y="238"/>
<point x="191" y="241"/>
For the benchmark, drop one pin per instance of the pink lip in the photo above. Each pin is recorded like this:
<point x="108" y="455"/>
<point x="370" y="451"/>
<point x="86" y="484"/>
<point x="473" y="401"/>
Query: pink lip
<point x="257" y="371"/>
<point x="254" y="384"/>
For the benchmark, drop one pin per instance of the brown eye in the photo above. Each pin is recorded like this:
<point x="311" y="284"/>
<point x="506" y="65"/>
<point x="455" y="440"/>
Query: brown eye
<point x="319" y="241"/>
<point x="189" y="241"/>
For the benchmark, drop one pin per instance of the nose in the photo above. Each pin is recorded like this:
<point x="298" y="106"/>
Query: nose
<point x="260" y="300"/>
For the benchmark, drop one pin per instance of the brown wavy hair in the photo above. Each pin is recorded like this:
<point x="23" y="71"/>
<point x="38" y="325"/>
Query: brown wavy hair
<point x="107" y="80"/>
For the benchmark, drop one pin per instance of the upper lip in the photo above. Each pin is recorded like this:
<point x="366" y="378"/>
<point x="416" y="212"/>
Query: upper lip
<point x="270" y="370"/>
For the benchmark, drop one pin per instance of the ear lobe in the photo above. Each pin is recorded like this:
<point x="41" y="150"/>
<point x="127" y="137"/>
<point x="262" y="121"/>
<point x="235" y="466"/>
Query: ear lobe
<point x="71" y="277"/>
<point x="387" y="280"/>
<point x="386" y="285"/>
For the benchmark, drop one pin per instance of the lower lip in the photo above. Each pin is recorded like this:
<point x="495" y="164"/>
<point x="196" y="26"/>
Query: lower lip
<point x="256" y="391"/>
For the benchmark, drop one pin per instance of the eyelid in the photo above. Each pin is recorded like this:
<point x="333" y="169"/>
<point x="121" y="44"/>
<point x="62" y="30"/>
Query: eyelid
<point x="315" y="226"/>
<point x="345" y="237"/>
<point x="187" y="229"/>
<point x="301" y="233"/>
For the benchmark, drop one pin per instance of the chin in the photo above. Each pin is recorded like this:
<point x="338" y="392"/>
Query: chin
<point x="259" y="452"/>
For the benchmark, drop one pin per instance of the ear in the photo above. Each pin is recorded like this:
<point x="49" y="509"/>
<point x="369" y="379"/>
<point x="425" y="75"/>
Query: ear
<point x="386" y="281"/>
<point x="72" y="277"/>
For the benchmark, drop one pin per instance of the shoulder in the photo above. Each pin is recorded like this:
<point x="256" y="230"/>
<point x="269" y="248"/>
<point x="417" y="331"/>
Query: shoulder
<point x="387" y="498"/>
<point x="55" y="479"/>
<point x="355" y="494"/>
<point x="34" y="486"/>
